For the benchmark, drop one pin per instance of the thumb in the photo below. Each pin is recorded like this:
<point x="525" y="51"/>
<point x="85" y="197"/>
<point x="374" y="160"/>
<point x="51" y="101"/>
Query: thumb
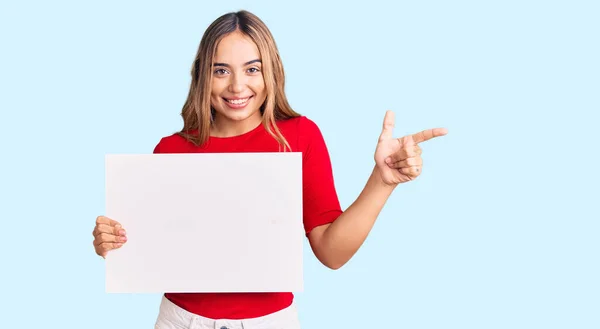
<point x="388" y="126"/>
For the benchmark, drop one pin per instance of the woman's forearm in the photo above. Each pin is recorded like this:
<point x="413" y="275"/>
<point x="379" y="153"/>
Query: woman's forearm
<point x="344" y="236"/>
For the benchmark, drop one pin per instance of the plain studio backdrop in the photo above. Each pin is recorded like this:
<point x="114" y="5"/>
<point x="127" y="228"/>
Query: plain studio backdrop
<point x="500" y="231"/>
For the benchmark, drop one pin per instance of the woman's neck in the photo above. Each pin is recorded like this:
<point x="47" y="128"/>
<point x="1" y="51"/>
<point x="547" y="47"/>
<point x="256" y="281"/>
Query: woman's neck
<point x="223" y="127"/>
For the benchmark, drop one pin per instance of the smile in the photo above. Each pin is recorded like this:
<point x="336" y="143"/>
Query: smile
<point x="237" y="101"/>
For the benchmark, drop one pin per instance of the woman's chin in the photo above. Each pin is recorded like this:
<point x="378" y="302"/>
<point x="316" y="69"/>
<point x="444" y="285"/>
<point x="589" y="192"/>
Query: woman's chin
<point x="240" y="114"/>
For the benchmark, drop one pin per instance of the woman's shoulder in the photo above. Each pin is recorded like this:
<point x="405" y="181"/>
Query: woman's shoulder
<point x="300" y="125"/>
<point x="173" y="143"/>
<point x="304" y="131"/>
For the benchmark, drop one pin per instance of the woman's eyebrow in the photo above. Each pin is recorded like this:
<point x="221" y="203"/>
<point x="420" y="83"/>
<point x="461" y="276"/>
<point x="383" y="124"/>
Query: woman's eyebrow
<point x="247" y="63"/>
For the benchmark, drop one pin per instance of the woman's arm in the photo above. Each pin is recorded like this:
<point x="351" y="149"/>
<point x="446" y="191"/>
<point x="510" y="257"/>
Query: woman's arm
<point x="334" y="244"/>
<point x="397" y="160"/>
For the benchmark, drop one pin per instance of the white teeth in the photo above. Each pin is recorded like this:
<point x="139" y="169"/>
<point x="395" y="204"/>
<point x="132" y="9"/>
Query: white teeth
<point x="238" y="101"/>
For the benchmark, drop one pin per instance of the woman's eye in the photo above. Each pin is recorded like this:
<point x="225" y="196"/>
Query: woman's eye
<point x="253" y="70"/>
<point x="220" y="71"/>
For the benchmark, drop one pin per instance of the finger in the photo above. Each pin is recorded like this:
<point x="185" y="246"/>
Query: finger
<point x="412" y="171"/>
<point x="407" y="141"/>
<point x="403" y="154"/>
<point x="104" y="228"/>
<point x="388" y="126"/>
<point x="105" y="247"/>
<point x="100" y="252"/>
<point x="410" y="162"/>
<point x="105" y="237"/>
<point x="429" y="134"/>
<point x="106" y="220"/>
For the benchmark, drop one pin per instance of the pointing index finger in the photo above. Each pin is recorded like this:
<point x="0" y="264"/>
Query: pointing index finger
<point x="429" y="134"/>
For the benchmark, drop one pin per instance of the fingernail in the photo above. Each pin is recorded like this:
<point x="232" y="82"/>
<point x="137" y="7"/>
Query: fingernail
<point x="122" y="232"/>
<point x="124" y="238"/>
<point x="119" y="245"/>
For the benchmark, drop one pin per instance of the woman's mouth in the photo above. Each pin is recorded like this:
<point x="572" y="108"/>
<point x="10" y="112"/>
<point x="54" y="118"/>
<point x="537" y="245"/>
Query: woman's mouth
<point x="237" y="103"/>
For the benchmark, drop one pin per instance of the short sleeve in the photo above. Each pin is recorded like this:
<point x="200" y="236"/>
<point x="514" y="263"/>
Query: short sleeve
<point x="320" y="200"/>
<point x="157" y="147"/>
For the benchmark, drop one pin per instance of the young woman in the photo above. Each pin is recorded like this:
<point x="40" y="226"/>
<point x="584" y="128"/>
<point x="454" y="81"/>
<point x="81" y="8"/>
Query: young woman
<point x="237" y="103"/>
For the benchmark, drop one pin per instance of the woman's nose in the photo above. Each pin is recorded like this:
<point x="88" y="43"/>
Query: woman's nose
<point x="236" y="84"/>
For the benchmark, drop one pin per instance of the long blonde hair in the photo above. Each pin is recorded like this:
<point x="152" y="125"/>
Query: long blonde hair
<point x="197" y="113"/>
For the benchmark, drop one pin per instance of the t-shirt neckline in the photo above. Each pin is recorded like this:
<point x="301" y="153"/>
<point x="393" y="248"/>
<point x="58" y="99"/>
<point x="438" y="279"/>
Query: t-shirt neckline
<point x="246" y="134"/>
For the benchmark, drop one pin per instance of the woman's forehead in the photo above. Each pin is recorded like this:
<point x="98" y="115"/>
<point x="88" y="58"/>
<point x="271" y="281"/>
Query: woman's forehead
<point x="236" y="49"/>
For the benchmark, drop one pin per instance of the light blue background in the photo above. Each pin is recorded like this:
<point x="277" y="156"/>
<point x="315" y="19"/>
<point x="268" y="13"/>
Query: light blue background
<point x="500" y="231"/>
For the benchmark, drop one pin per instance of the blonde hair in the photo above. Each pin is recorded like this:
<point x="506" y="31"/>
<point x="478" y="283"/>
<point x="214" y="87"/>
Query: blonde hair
<point x="197" y="113"/>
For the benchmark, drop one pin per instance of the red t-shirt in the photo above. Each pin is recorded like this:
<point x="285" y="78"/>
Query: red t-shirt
<point x="320" y="206"/>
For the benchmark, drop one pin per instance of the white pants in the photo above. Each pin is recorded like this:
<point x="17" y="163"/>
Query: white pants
<point x="171" y="316"/>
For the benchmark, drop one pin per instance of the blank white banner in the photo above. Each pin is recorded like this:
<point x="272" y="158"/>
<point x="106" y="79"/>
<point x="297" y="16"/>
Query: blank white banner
<point x="218" y="222"/>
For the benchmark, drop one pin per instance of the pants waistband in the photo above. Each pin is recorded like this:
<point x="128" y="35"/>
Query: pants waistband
<point x="175" y="315"/>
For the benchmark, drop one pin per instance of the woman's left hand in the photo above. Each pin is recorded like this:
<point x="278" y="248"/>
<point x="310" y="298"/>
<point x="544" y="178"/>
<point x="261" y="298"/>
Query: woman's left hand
<point x="399" y="159"/>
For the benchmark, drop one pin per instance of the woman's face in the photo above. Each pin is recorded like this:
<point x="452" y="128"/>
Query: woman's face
<point x="238" y="87"/>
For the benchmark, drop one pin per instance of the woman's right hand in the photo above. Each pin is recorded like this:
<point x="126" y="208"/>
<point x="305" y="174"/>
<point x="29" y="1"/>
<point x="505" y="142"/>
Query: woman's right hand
<point x="108" y="235"/>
